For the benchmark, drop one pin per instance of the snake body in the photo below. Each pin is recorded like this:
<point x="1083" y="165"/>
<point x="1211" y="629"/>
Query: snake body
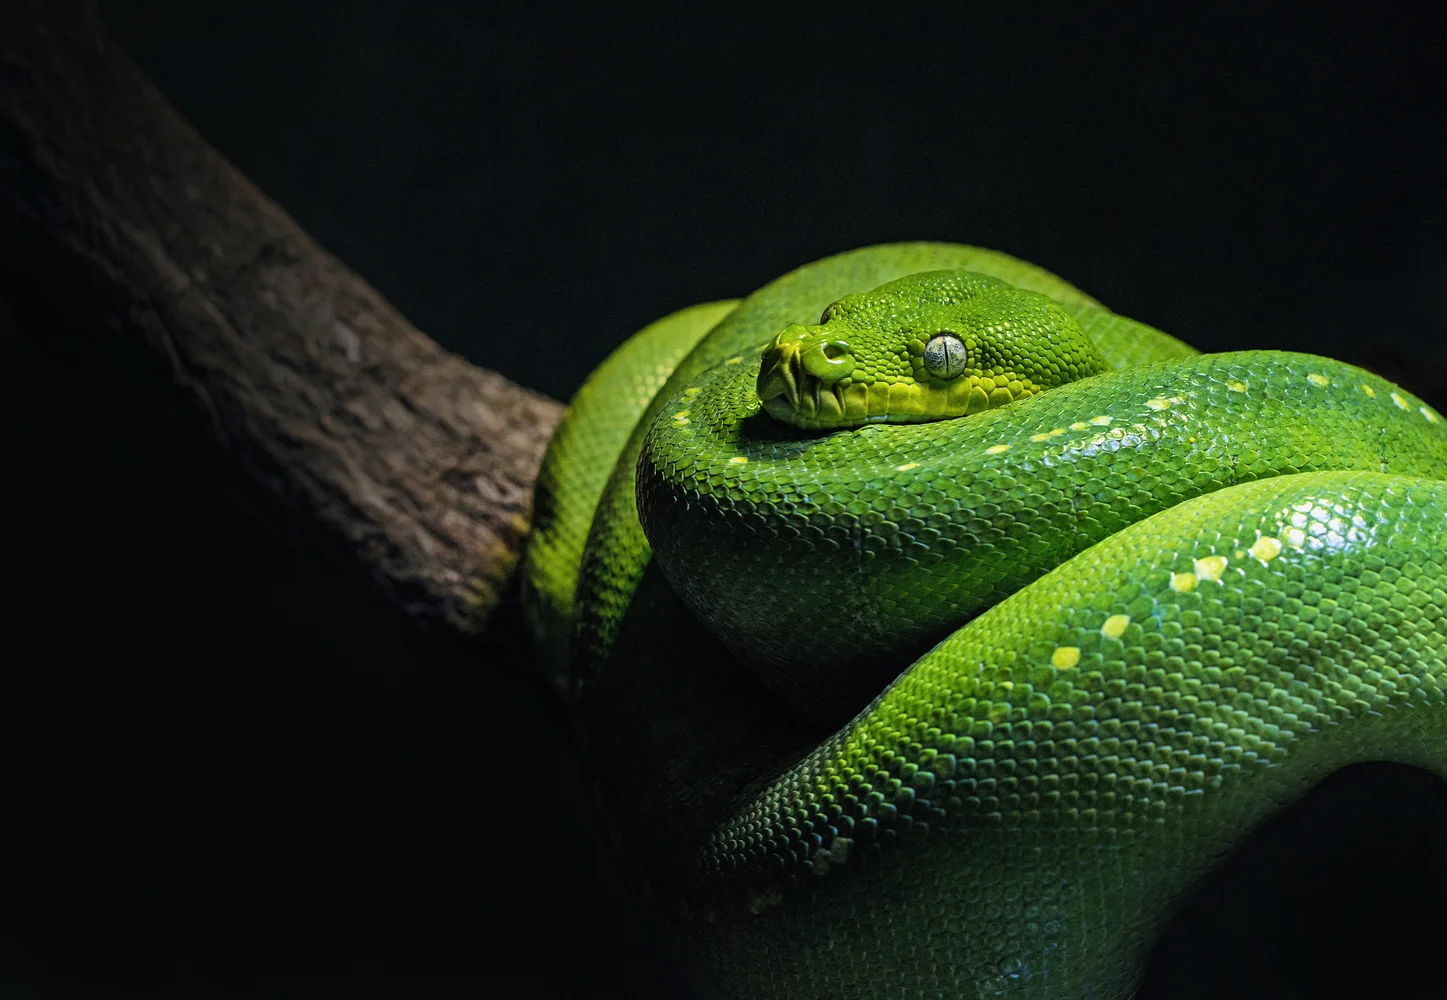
<point x="980" y="697"/>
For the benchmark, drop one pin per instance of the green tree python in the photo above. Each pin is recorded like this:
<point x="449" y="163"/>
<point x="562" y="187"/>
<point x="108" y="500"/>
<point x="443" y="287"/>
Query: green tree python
<point x="936" y="629"/>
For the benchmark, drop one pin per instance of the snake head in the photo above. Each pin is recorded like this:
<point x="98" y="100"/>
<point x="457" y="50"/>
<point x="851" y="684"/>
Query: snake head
<point x="925" y="347"/>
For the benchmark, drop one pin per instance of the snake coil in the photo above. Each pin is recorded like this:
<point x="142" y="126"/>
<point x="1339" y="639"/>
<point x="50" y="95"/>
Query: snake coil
<point x="964" y="707"/>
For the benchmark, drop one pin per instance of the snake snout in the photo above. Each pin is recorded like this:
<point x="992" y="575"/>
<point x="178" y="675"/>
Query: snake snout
<point x="782" y="369"/>
<point x="804" y="367"/>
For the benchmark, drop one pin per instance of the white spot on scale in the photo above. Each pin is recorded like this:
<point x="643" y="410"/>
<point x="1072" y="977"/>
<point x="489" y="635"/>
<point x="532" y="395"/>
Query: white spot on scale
<point x="1266" y="548"/>
<point x="1210" y="568"/>
<point x="1065" y="657"/>
<point x="1115" y="626"/>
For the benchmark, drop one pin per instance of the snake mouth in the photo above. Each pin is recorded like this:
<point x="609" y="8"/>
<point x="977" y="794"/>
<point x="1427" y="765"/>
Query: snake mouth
<point x="804" y="401"/>
<point x="795" y="397"/>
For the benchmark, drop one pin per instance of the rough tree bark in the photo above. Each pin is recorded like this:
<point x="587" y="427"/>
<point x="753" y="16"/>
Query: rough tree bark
<point x="115" y="211"/>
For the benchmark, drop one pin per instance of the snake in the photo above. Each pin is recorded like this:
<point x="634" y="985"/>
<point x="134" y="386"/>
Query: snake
<point x="936" y="629"/>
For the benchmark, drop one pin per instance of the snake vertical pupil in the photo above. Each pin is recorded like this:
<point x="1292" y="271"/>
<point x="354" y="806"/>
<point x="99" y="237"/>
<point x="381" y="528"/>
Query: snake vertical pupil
<point x="945" y="356"/>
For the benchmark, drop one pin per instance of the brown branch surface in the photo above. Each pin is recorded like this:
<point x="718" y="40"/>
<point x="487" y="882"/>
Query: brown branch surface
<point x="115" y="210"/>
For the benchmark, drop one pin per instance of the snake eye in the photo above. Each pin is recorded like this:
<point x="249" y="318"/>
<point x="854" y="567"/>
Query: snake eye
<point x="828" y="313"/>
<point x="834" y="350"/>
<point x="945" y="355"/>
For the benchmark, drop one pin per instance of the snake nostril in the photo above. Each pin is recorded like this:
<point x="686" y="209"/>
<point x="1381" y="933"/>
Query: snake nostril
<point x="828" y="360"/>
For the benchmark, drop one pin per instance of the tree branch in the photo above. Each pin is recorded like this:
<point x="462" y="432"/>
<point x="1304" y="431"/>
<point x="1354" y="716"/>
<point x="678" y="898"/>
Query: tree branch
<point x="115" y="213"/>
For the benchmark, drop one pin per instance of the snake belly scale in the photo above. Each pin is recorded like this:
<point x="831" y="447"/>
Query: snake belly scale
<point x="1067" y="608"/>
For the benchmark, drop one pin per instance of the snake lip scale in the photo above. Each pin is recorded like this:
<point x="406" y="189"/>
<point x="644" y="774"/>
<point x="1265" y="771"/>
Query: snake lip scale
<point x="935" y="629"/>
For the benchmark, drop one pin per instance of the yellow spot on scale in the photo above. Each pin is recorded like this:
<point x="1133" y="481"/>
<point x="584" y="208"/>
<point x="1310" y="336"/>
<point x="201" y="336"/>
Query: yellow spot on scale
<point x="906" y="467"/>
<point x="734" y="360"/>
<point x="1183" y="583"/>
<point x="1294" y="537"/>
<point x="995" y="449"/>
<point x="1235" y="385"/>
<point x="738" y="460"/>
<point x="1039" y="437"/>
<point x="1065" y="657"/>
<point x="1396" y="398"/>
<point x="692" y="390"/>
<point x="1057" y="431"/>
<point x="1211" y="568"/>
<point x="1240" y="553"/>
<point x="1080" y="425"/>
<point x="1431" y="417"/>
<point x="1371" y="393"/>
<point x="1158" y="403"/>
<point x="1317" y="379"/>
<point x="1114" y="626"/>
<point x="1100" y="421"/>
<point x="1266" y="549"/>
<point x="681" y="415"/>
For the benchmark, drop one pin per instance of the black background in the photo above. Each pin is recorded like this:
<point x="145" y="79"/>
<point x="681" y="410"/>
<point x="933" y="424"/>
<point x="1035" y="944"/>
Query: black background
<point x="230" y="769"/>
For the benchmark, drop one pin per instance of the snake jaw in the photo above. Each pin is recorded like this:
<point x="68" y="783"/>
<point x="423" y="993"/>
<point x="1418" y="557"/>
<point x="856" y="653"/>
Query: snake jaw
<point x="828" y="405"/>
